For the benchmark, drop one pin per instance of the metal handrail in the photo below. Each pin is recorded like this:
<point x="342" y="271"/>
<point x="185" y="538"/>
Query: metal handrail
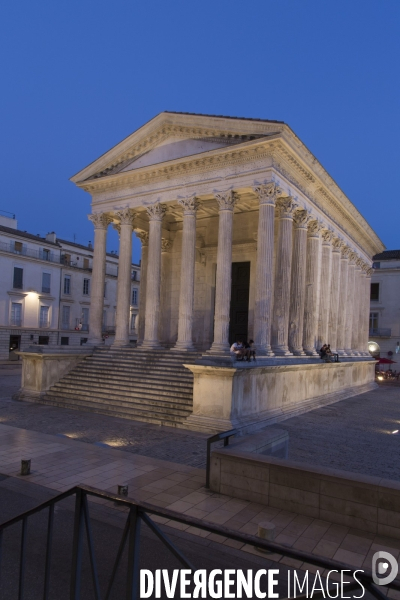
<point x="225" y="435"/>
<point x="131" y="534"/>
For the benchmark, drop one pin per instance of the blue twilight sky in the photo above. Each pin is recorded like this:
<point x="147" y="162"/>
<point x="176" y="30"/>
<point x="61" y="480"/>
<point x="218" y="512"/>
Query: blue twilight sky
<point x="79" y="76"/>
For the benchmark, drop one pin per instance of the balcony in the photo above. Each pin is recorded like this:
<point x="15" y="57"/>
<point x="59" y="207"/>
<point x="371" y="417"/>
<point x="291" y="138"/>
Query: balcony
<point x="380" y="333"/>
<point x="39" y="254"/>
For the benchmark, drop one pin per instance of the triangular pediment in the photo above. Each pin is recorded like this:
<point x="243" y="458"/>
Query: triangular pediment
<point x="171" y="136"/>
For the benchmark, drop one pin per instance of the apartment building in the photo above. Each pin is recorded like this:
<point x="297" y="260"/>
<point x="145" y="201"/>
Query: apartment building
<point x="384" y="319"/>
<point x="45" y="286"/>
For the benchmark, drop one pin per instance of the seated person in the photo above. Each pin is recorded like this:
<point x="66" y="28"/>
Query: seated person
<point x="237" y="349"/>
<point x="250" y="350"/>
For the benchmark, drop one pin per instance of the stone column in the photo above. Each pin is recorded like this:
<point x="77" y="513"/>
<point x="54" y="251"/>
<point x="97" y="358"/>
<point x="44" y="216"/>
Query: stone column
<point x="280" y="320"/>
<point x="226" y="202"/>
<point x="188" y="261"/>
<point x="144" y="238"/>
<point x="267" y="195"/>
<point x="311" y="303"/>
<point x="298" y="283"/>
<point x="367" y="297"/>
<point x="164" y="320"/>
<point x="325" y="288"/>
<point x="343" y="307"/>
<point x="350" y="304"/>
<point x="355" y="338"/>
<point x="126" y="217"/>
<point x="101" y="222"/>
<point x="156" y="213"/>
<point x="335" y="293"/>
<point x="362" y="342"/>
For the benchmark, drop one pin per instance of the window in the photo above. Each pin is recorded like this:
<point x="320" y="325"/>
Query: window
<point x="104" y="320"/>
<point x="83" y="341"/>
<point x="374" y="291"/>
<point x="133" y="322"/>
<point x="16" y="314"/>
<point x="18" y="247"/>
<point x="376" y="265"/>
<point x="43" y="340"/>
<point x="85" y="263"/>
<point x="65" y="341"/>
<point x="86" y="287"/>
<point x="373" y="322"/>
<point x="45" y="254"/>
<point x="46" y="277"/>
<point x="18" y="278"/>
<point x="65" y="317"/>
<point x="67" y="284"/>
<point x="44" y="316"/>
<point x="66" y="259"/>
<point x="134" y="297"/>
<point x="85" y="319"/>
<point x="134" y="275"/>
<point x="105" y="289"/>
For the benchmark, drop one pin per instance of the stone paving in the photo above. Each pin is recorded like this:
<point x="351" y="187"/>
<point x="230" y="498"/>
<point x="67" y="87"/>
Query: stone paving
<point x="353" y="435"/>
<point x="60" y="463"/>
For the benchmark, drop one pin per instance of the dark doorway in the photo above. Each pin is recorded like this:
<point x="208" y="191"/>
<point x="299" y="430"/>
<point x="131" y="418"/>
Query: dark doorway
<point x="15" y="342"/>
<point x="239" y="313"/>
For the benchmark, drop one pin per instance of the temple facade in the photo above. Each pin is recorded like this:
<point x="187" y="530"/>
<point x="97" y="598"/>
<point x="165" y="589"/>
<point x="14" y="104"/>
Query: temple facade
<point x="244" y="236"/>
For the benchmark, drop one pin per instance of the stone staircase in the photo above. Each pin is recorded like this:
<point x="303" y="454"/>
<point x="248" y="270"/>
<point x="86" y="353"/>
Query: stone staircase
<point x="132" y="383"/>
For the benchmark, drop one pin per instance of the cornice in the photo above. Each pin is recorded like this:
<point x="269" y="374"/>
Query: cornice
<point x="288" y="161"/>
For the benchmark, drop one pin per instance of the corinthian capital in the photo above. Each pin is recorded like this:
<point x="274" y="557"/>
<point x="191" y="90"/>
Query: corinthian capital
<point x="286" y="207"/>
<point x="117" y="227"/>
<point x="126" y="216"/>
<point x="301" y="218"/>
<point x="345" y="251"/>
<point x="353" y="257"/>
<point x="226" y="200"/>
<point x="156" y="211"/>
<point x="337" y="244"/>
<point x="369" y="272"/>
<point x="314" y="228"/>
<point x="327" y="236"/>
<point x="359" y="263"/>
<point x="268" y="193"/>
<point x="165" y="245"/>
<point x="100" y="220"/>
<point x="143" y="237"/>
<point x="189" y="205"/>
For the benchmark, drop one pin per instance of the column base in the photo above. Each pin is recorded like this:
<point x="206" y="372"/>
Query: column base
<point x="151" y="345"/>
<point x="311" y="352"/>
<point x="264" y="351"/>
<point x="219" y="349"/>
<point x="183" y="347"/>
<point x="341" y="352"/>
<point x="120" y="343"/>
<point x="298" y="352"/>
<point x="281" y="351"/>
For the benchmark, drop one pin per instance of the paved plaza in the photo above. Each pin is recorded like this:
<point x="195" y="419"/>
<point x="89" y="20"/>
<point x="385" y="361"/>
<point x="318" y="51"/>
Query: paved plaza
<point x="58" y="442"/>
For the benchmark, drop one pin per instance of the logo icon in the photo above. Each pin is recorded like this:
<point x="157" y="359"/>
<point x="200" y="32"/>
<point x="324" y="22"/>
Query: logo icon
<point x="384" y="564"/>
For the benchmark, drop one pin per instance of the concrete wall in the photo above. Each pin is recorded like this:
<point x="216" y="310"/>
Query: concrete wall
<point x="367" y="503"/>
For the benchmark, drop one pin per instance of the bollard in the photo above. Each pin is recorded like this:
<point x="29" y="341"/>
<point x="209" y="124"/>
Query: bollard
<point x="26" y="467"/>
<point x="266" y="531"/>
<point x="122" y="490"/>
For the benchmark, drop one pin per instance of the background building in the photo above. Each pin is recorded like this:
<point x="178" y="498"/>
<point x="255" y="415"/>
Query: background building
<point x="384" y="319"/>
<point x="45" y="289"/>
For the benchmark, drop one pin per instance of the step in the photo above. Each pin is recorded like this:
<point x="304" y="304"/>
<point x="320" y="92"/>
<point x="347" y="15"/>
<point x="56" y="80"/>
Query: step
<point x="185" y="379"/>
<point x="134" y="414"/>
<point x="135" y="367"/>
<point x="132" y="393"/>
<point x="129" y="404"/>
<point x="125" y="383"/>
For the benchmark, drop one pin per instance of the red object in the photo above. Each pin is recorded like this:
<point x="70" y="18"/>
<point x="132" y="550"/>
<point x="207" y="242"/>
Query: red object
<point x="384" y="361"/>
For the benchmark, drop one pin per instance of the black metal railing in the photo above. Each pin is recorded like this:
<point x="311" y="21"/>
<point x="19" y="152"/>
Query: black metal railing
<point x="138" y="513"/>
<point x="225" y="435"/>
<point x="380" y="332"/>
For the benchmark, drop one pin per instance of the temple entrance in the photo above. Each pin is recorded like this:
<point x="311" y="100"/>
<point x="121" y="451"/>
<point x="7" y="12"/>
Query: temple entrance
<point x="239" y="312"/>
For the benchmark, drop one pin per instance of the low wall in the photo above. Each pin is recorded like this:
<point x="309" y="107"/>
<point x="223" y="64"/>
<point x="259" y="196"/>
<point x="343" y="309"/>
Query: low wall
<point x="367" y="503"/>
<point x="249" y="398"/>
<point x="42" y="368"/>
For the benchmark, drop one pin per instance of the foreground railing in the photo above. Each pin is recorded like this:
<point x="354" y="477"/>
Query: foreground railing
<point x="138" y="513"/>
